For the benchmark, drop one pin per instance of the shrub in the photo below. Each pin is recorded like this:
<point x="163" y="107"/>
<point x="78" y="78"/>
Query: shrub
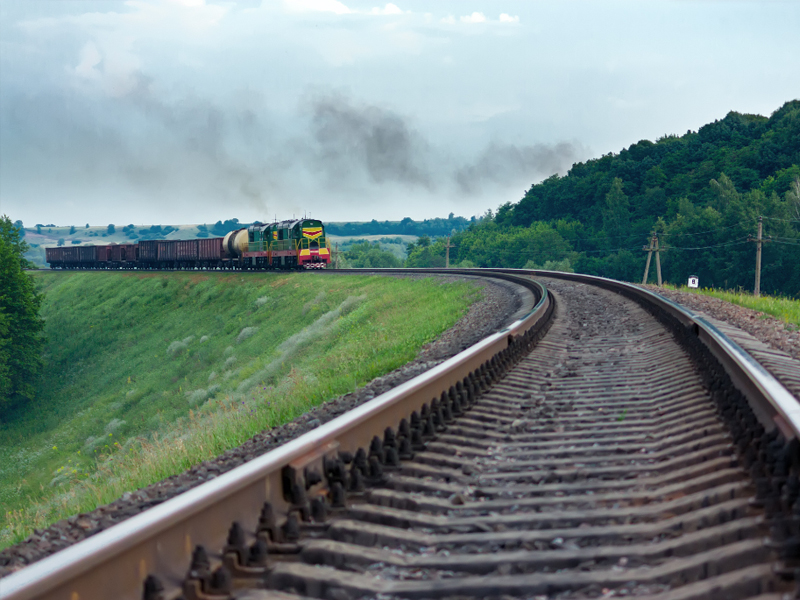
<point x="246" y="333"/>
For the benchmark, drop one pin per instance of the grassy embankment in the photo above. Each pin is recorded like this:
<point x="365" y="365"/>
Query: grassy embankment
<point x="148" y="374"/>
<point x="785" y="309"/>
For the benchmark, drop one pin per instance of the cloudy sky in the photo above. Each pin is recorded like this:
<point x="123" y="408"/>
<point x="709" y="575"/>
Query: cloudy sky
<point x="167" y="111"/>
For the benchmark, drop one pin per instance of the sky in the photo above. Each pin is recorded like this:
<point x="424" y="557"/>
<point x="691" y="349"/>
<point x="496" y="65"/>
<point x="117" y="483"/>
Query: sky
<point x="192" y="111"/>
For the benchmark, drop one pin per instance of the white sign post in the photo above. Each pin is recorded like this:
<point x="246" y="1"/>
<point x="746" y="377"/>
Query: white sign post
<point x="693" y="281"/>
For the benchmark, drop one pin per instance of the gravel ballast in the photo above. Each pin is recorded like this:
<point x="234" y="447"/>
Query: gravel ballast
<point x="495" y="310"/>
<point x="765" y="328"/>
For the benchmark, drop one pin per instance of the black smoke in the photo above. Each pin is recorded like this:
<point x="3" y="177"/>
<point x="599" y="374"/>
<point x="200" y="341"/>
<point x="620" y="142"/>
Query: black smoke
<point x="506" y="164"/>
<point x="352" y="139"/>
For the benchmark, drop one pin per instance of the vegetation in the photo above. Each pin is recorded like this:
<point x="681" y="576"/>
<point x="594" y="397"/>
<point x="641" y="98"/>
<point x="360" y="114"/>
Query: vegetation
<point x="370" y="255"/>
<point x="428" y="227"/>
<point x="220" y="228"/>
<point x="702" y="193"/>
<point x="20" y="324"/>
<point x="148" y="374"/>
<point x="785" y="309"/>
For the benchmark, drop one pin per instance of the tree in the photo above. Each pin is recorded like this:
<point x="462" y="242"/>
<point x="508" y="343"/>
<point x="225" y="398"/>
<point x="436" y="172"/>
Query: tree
<point x="72" y="230"/>
<point x="60" y="241"/>
<point x="111" y="228"/>
<point x="617" y="212"/>
<point x="366" y="255"/>
<point x="20" y="324"/>
<point x="793" y="198"/>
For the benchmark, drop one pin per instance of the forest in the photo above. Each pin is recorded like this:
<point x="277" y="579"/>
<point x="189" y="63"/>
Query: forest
<point x="20" y="324"/>
<point x="701" y="193"/>
<point x="429" y="227"/>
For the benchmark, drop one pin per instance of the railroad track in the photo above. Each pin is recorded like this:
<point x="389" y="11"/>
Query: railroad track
<point x="607" y="444"/>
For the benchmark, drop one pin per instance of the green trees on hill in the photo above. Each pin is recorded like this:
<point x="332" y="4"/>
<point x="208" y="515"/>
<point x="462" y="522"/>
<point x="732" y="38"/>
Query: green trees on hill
<point x="20" y="325"/>
<point x="702" y="193"/>
<point x="366" y="255"/>
<point x="427" y="227"/>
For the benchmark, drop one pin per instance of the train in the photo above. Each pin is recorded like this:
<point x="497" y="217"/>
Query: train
<point x="287" y="245"/>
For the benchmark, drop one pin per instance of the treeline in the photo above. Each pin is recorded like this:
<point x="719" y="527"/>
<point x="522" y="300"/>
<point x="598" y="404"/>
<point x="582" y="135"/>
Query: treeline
<point x="430" y="227"/>
<point x="702" y="193"/>
<point x="20" y="324"/>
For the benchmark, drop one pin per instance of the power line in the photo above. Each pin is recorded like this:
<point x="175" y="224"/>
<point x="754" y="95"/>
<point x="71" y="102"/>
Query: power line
<point x="660" y="235"/>
<point x="741" y="223"/>
<point x="706" y="247"/>
<point x="783" y="220"/>
<point x="609" y="250"/>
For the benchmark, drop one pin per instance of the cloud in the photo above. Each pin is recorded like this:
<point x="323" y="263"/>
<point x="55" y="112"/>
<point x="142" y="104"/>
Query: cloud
<point x="331" y="6"/>
<point x="505" y="18"/>
<point x="89" y="59"/>
<point x="389" y="9"/>
<point x="449" y="20"/>
<point x="476" y="17"/>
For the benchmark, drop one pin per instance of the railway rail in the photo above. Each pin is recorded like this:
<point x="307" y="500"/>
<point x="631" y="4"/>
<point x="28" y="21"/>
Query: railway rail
<point x="607" y="444"/>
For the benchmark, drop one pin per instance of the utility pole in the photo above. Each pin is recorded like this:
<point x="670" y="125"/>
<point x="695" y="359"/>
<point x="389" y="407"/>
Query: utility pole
<point x="336" y="257"/>
<point x="649" y="250"/>
<point x="759" y="240"/>
<point x="658" y="260"/>
<point x="447" y="247"/>
<point x="757" y="290"/>
<point x="653" y="247"/>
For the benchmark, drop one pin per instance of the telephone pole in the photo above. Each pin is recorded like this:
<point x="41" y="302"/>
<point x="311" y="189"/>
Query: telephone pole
<point x="447" y="247"/>
<point x="653" y="247"/>
<point x="757" y="289"/>
<point x="649" y="250"/>
<point x="658" y="261"/>
<point x="336" y="257"/>
<point x="759" y="240"/>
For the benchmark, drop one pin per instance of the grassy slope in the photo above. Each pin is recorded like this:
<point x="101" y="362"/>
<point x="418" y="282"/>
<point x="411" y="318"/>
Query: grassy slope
<point x="785" y="309"/>
<point x="147" y="374"/>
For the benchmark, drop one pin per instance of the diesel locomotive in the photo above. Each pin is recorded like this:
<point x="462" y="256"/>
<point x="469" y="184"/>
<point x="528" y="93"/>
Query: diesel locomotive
<point x="293" y="244"/>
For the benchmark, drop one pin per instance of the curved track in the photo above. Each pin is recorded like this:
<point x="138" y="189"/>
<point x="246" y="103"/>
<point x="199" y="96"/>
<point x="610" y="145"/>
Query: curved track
<point x="607" y="444"/>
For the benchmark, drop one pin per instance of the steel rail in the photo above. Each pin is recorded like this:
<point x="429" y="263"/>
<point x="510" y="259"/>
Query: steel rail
<point x="115" y="563"/>
<point x="140" y="546"/>
<point x="772" y="403"/>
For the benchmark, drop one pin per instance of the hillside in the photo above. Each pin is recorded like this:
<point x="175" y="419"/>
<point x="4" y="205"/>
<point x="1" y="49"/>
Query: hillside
<point x="193" y="364"/>
<point x="702" y="192"/>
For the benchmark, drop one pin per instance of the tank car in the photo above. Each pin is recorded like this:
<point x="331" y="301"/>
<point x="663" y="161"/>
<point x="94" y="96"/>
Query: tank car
<point x="294" y="244"/>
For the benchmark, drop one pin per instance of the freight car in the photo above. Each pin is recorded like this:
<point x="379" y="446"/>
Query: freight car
<point x="295" y="244"/>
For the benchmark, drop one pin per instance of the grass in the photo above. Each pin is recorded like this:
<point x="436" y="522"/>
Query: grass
<point x="149" y="374"/>
<point x="785" y="309"/>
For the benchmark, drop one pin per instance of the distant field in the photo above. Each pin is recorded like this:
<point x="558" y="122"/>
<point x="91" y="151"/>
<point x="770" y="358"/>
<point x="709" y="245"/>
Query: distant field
<point x="148" y="374"/>
<point x="785" y="309"/>
<point x="396" y="244"/>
